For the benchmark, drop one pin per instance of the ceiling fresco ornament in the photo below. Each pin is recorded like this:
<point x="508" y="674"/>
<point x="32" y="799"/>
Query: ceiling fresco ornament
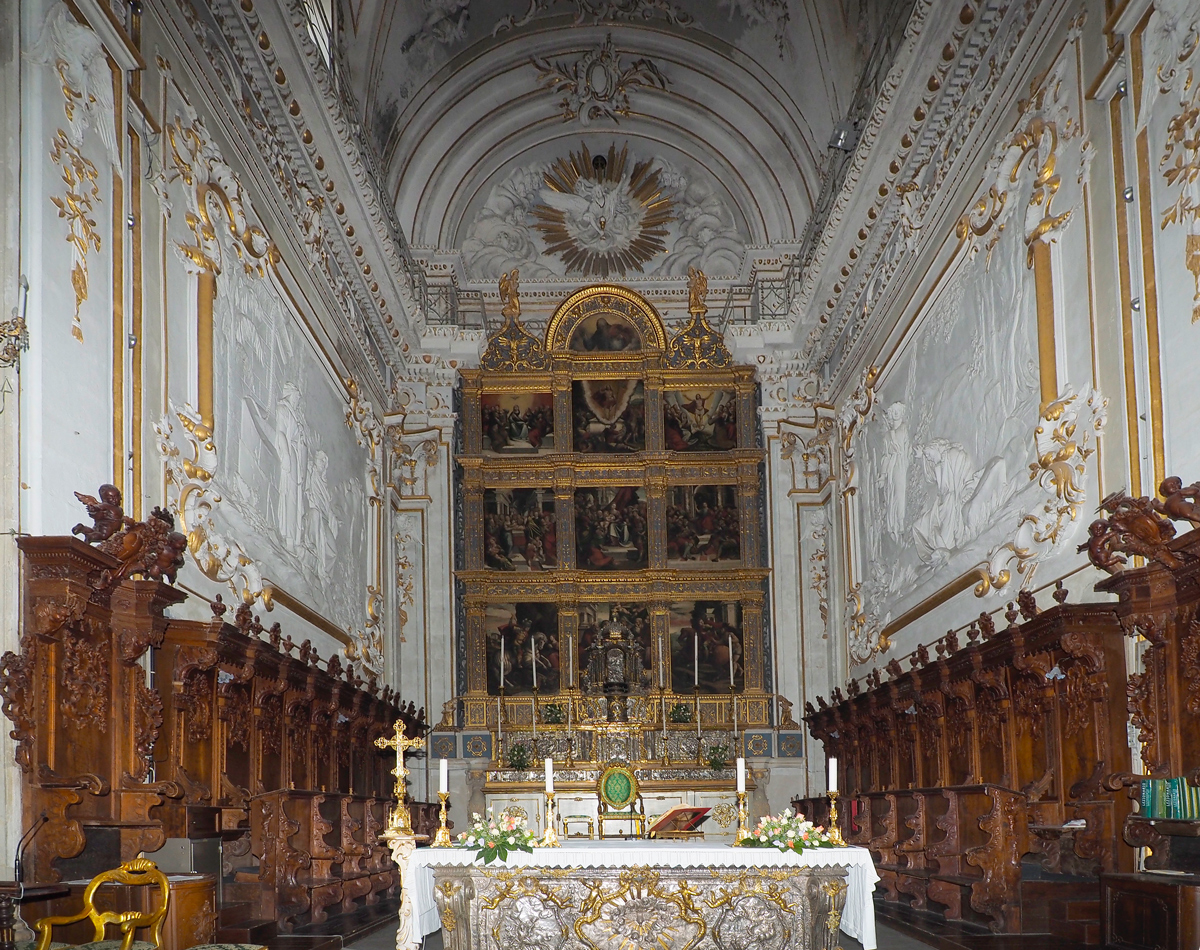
<point x="595" y="86"/>
<point x="513" y="348"/>
<point x="1064" y="440"/>
<point x="601" y="10"/>
<point x="698" y="345"/>
<point x="601" y="218"/>
<point x="771" y="13"/>
<point x="195" y="503"/>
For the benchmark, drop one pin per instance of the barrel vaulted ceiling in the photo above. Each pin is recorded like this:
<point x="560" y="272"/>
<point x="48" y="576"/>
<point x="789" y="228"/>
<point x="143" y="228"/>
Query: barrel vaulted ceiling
<point x="604" y="139"/>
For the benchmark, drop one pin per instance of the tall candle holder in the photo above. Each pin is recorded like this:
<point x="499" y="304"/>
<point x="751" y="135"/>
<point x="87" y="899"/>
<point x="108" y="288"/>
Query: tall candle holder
<point x="696" y="712"/>
<point x="742" y="832"/>
<point x="835" y="831"/>
<point x="442" y="838"/>
<point x="549" y="836"/>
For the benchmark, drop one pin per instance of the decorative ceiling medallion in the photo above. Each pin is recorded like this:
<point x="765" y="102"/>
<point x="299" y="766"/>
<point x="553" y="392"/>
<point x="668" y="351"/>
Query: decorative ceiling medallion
<point x="595" y="86"/>
<point x="601" y="219"/>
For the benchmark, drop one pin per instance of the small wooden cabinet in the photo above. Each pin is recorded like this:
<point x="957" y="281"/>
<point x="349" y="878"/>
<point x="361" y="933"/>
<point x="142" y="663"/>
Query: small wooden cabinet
<point x="1151" y="911"/>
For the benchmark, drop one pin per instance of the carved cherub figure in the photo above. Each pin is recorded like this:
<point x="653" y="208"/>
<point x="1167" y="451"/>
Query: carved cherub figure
<point x="108" y="517"/>
<point x="1175" y="503"/>
<point x="1100" y="547"/>
<point x="509" y="293"/>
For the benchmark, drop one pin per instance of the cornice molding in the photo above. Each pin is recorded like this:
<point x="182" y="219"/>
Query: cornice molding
<point x="982" y="66"/>
<point x="301" y="144"/>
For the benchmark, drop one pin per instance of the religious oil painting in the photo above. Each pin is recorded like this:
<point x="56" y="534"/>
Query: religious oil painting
<point x="605" y="333"/>
<point x="700" y="420"/>
<point x="703" y="529"/>
<point x="519" y="531"/>
<point x="706" y="646"/>
<point x="593" y="618"/>
<point x="610" y="416"/>
<point x="522" y="648"/>
<point x="517" y="423"/>
<point x="610" y="528"/>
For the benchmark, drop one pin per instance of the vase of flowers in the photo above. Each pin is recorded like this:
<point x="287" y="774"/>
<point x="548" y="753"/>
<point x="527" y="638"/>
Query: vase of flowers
<point x="787" y="832"/>
<point x="680" y="712"/>
<point x="518" y="756"/>
<point x="718" y="757"/>
<point x="493" y="838"/>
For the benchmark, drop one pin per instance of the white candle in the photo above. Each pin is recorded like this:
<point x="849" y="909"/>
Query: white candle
<point x="549" y="776"/>
<point x="502" y="661"/>
<point x="444" y="777"/>
<point x="696" y="661"/>
<point x="833" y="775"/>
<point x="534" y="643"/>
<point x="731" y="661"/>
<point x="741" y="774"/>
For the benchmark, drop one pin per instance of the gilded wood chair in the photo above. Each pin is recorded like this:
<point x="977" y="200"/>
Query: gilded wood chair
<point x="620" y="800"/>
<point x="138" y="871"/>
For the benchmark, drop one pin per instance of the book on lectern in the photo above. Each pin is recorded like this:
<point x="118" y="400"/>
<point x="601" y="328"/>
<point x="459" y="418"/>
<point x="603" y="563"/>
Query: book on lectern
<point x="679" y="819"/>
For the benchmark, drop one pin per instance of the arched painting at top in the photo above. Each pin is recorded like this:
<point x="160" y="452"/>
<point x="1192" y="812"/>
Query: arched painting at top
<point x="605" y="333"/>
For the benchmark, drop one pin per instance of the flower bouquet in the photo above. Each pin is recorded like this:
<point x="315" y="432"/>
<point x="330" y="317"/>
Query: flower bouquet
<point x="493" y="837"/>
<point x="787" y="832"/>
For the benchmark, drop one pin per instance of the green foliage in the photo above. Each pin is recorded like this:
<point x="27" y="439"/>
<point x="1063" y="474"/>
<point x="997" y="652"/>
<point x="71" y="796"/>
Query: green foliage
<point x="718" y="757"/>
<point x="553" y="714"/>
<point x="680" y="712"/>
<point x="518" y="756"/>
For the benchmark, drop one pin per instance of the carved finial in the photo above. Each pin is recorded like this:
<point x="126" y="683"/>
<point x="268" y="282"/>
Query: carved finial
<point x="256" y="627"/>
<point x="510" y="301"/>
<point x="218" y="606"/>
<point x="697" y="290"/>
<point x="852" y="688"/>
<point x="973" y="632"/>
<point x="1011" y="614"/>
<point x="275" y="634"/>
<point x="1028" y="604"/>
<point x="951" y="639"/>
<point x="1060" y="593"/>
<point x="894" y="668"/>
<point x="243" y="617"/>
<point x="987" y="625"/>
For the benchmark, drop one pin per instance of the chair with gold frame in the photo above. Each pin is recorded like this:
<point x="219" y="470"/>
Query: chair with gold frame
<point x="138" y="871"/>
<point x="620" y="800"/>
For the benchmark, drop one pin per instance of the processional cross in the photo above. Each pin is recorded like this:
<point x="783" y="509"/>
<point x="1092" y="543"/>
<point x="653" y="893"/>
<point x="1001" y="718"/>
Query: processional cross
<point x="401" y="743"/>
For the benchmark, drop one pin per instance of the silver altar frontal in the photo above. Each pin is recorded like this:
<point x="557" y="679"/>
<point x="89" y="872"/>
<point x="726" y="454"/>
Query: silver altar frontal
<point x="644" y="896"/>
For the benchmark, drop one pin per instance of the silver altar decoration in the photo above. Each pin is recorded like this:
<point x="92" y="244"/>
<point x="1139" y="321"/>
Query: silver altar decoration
<point x="640" y="908"/>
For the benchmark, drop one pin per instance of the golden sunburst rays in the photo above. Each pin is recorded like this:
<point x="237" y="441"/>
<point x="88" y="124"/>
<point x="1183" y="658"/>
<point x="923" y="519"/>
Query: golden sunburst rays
<point x="601" y="219"/>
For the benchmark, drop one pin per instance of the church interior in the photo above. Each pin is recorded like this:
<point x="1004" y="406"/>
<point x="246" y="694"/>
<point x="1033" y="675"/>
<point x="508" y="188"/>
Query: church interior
<point x="636" y="421"/>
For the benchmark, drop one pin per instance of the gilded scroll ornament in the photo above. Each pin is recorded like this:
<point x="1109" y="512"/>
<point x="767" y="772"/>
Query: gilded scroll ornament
<point x="513" y="349"/>
<point x="641" y="913"/>
<point x="1064" y="441"/>
<point x="698" y="345"/>
<point x="1180" y="165"/>
<point x="196" y="502"/>
<point x="76" y="207"/>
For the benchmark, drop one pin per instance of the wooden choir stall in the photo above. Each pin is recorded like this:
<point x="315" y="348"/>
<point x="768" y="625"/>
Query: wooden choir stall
<point x="212" y="746"/>
<point x="990" y="774"/>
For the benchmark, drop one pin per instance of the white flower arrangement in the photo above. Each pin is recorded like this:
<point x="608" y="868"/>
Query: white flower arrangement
<point x="788" y="832"/>
<point x="493" y="837"/>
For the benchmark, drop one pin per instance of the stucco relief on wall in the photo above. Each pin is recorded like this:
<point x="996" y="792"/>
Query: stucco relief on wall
<point x="681" y="221"/>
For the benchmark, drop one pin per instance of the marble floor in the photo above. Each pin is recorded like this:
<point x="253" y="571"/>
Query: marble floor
<point x="386" y="940"/>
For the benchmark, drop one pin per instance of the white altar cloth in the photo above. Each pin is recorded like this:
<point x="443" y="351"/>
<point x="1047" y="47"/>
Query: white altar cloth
<point x="858" y="917"/>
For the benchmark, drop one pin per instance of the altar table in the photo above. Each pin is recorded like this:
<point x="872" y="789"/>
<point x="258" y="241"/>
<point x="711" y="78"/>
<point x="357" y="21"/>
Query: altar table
<point x="680" y="890"/>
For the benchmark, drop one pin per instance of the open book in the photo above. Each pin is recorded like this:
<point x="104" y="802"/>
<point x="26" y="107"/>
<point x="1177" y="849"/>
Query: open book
<point x="678" y="821"/>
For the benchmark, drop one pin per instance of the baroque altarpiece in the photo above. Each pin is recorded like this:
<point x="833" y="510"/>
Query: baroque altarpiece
<point x="611" y="481"/>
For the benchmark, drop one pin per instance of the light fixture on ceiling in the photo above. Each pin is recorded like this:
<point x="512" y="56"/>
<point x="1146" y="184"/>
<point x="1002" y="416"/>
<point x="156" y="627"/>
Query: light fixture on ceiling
<point x="844" y="137"/>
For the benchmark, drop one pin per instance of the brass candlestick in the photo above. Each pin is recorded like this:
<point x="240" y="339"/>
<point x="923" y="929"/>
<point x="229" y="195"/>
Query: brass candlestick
<point x="742" y="831"/>
<point x="835" y="832"/>
<point x="549" y="836"/>
<point x="442" y="838"/>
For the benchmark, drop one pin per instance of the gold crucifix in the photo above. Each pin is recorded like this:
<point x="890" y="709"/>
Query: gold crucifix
<point x="401" y="743"/>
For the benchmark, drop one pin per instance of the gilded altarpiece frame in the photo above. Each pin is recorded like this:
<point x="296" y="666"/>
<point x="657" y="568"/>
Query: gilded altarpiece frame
<point x="614" y="340"/>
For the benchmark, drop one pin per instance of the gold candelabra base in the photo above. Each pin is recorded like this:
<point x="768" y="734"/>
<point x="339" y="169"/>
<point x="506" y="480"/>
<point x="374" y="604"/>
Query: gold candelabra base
<point x="835" y="831"/>
<point x="742" y="831"/>
<point x="442" y="838"/>
<point x="549" y="836"/>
